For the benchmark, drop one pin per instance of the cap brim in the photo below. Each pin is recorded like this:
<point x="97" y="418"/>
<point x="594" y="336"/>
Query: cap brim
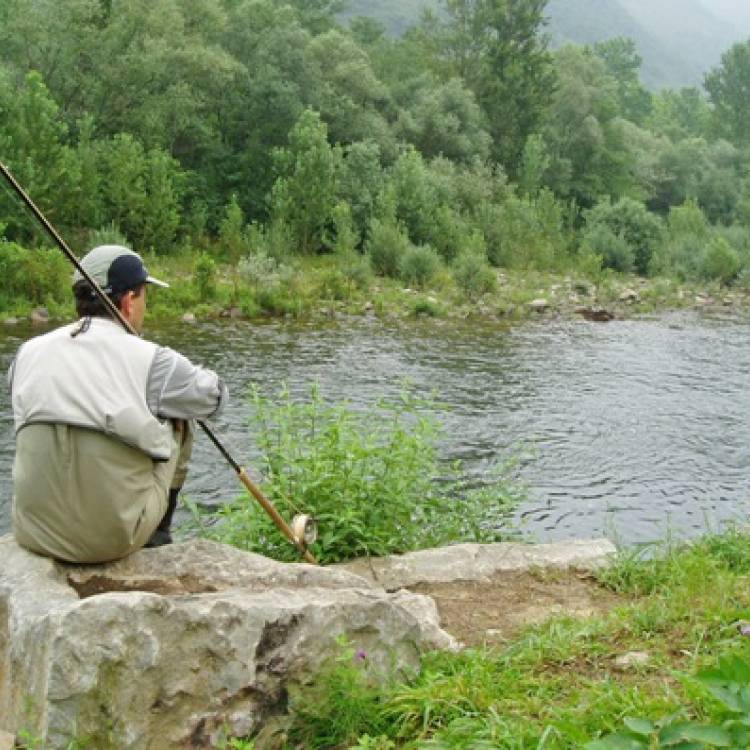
<point x="156" y="282"/>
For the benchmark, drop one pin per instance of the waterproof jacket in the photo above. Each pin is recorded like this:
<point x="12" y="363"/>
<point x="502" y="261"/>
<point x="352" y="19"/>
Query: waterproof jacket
<point x="95" y="449"/>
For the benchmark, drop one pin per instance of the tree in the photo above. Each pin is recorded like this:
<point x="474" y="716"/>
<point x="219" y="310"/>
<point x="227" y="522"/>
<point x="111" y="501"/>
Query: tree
<point x="584" y="136"/>
<point x="498" y="48"/>
<point x="303" y="196"/>
<point x="680" y="114"/>
<point x="446" y="120"/>
<point x="33" y="136"/>
<point x="623" y="63"/>
<point x="728" y="87"/>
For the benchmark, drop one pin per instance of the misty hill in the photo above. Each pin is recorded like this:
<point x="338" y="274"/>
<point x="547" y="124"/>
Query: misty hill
<point x="679" y="40"/>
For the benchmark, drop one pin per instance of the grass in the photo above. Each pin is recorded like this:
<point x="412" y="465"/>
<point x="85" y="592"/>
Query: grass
<point x="319" y="287"/>
<point x="557" y="685"/>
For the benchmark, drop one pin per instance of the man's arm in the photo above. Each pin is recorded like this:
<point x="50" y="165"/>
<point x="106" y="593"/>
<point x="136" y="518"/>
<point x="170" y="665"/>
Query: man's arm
<point x="178" y="389"/>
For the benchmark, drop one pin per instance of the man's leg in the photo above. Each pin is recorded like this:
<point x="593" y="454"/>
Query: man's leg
<point x="183" y="433"/>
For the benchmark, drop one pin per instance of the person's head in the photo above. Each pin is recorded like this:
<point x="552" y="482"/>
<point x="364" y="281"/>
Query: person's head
<point x="120" y="273"/>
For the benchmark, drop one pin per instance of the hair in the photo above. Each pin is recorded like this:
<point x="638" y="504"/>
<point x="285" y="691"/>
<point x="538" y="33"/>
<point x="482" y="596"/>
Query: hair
<point x="90" y="305"/>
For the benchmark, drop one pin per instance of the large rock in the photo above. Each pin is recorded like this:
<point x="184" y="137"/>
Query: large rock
<point x="479" y="562"/>
<point x="174" y="645"/>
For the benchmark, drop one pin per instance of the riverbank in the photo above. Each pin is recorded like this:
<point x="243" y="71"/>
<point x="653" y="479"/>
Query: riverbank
<point x="562" y="684"/>
<point x="325" y="287"/>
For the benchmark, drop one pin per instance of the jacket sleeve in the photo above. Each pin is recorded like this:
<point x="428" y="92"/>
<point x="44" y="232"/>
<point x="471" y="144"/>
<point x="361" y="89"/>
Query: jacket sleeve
<point x="178" y="389"/>
<point x="11" y="372"/>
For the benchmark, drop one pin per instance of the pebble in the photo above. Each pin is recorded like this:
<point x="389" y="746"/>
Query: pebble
<point x="632" y="660"/>
<point x="189" y="318"/>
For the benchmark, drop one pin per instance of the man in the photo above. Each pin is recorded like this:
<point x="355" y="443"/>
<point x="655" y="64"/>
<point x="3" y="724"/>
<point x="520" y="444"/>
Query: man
<point x="102" y="438"/>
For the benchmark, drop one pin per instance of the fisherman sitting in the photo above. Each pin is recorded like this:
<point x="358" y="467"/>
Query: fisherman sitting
<point x="101" y="419"/>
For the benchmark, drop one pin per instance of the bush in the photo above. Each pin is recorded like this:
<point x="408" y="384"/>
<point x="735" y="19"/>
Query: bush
<point x="387" y="245"/>
<point x="641" y="230"/>
<point x="36" y="276"/>
<point x="720" y="262"/>
<point x="370" y="479"/>
<point x="471" y="270"/>
<point x="418" y="265"/>
<point x="525" y="232"/>
<point x="613" y="249"/>
<point x="205" y="277"/>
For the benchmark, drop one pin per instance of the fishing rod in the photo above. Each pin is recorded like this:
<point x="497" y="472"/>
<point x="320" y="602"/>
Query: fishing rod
<point x="302" y="532"/>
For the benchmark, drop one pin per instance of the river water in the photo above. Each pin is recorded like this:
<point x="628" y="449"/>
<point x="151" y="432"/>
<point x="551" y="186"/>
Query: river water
<point x="634" y="429"/>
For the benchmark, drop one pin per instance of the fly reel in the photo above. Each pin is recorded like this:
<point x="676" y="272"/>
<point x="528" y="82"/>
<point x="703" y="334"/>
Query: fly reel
<point x="305" y="529"/>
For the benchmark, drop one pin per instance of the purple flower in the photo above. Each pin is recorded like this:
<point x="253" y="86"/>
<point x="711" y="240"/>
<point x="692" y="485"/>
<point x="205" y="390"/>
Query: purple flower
<point x="361" y="655"/>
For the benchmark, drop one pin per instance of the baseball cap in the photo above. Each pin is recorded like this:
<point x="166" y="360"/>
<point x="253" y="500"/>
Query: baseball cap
<point x="115" y="269"/>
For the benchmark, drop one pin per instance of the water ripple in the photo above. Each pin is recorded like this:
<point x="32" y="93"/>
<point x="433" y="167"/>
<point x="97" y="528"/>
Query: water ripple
<point x="635" y="429"/>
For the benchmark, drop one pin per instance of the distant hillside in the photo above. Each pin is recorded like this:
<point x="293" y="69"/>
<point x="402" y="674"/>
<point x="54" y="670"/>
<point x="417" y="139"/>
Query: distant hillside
<point x="679" y="40"/>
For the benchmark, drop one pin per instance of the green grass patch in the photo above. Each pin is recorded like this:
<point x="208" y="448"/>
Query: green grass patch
<point x="557" y="685"/>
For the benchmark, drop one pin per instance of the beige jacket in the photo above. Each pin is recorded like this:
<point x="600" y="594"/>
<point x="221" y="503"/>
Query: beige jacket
<point x="86" y="486"/>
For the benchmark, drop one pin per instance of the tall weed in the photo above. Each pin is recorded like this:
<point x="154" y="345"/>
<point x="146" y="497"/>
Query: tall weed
<point x="372" y="479"/>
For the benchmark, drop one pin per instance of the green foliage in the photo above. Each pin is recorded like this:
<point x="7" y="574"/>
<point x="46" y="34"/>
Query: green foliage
<point x="613" y="249"/>
<point x="727" y="85"/>
<point x="682" y="250"/>
<point x="414" y="195"/>
<point x="630" y="220"/>
<point x="371" y="480"/>
<point x="107" y="235"/>
<point x="205" y="277"/>
<point x="720" y="261"/>
<point x="526" y="232"/>
<point x="387" y="245"/>
<point x="418" y="265"/>
<point x="729" y="683"/>
<point x="303" y="195"/>
<point x="497" y="48"/>
<point x="471" y="270"/>
<point x="344" y="705"/>
<point x="39" y="276"/>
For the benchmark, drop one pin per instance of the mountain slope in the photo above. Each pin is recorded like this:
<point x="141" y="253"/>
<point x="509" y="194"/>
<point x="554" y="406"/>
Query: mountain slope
<point x="679" y="40"/>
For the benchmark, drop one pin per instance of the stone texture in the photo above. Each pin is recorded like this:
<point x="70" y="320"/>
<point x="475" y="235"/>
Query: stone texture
<point x="478" y="562"/>
<point x="632" y="660"/>
<point x="171" y="645"/>
<point x="7" y="741"/>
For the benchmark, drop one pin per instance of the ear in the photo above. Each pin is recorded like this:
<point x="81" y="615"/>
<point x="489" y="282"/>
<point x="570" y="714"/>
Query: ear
<point x="126" y="304"/>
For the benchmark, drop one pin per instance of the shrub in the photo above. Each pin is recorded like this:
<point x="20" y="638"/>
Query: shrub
<point x="32" y="276"/>
<point x="525" y="232"/>
<point x="109" y="234"/>
<point x="369" y="478"/>
<point x="205" y="277"/>
<point x="471" y="270"/>
<point x="613" y="249"/>
<point x="418" y="265"/>
<point x="632" y="221"/>
<point x="720" y="262"/>
<point x="387" y="245"/>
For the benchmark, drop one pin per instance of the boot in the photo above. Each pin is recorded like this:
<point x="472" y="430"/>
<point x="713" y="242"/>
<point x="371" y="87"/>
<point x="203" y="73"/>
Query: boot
<point x="162" y="534"/>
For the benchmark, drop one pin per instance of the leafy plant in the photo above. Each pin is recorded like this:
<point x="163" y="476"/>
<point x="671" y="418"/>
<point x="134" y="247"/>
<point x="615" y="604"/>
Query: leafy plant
<point x="729" y="683"/>
<point x="418" y="265"/>
<point x="372" y="479"/>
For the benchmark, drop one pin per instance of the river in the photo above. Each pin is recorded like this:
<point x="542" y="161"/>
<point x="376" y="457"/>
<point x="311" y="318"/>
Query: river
<point x="634" y="429"/>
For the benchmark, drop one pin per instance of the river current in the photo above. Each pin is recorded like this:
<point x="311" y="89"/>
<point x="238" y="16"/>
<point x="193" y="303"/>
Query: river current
<point x="637" y="429"/>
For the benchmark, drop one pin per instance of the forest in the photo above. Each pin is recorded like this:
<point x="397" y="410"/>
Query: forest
<point x="253" y="135"/>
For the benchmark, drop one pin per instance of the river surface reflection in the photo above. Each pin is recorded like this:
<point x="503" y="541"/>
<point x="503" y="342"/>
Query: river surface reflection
<point x="634" y="429"/>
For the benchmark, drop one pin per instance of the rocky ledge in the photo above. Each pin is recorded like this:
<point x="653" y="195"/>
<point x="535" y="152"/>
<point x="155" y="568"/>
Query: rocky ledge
<point x="171" y="646"/>
<point x="175" y="645"/>
<point x="478" y="562"/>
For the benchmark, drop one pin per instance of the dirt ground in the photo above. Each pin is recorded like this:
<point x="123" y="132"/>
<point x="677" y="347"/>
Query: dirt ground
<point x="491" y="613"/>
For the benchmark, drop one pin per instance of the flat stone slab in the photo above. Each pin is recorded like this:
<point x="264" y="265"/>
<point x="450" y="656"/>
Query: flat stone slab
<point x="174" y="645"/>
<point x="478" y="562"/>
